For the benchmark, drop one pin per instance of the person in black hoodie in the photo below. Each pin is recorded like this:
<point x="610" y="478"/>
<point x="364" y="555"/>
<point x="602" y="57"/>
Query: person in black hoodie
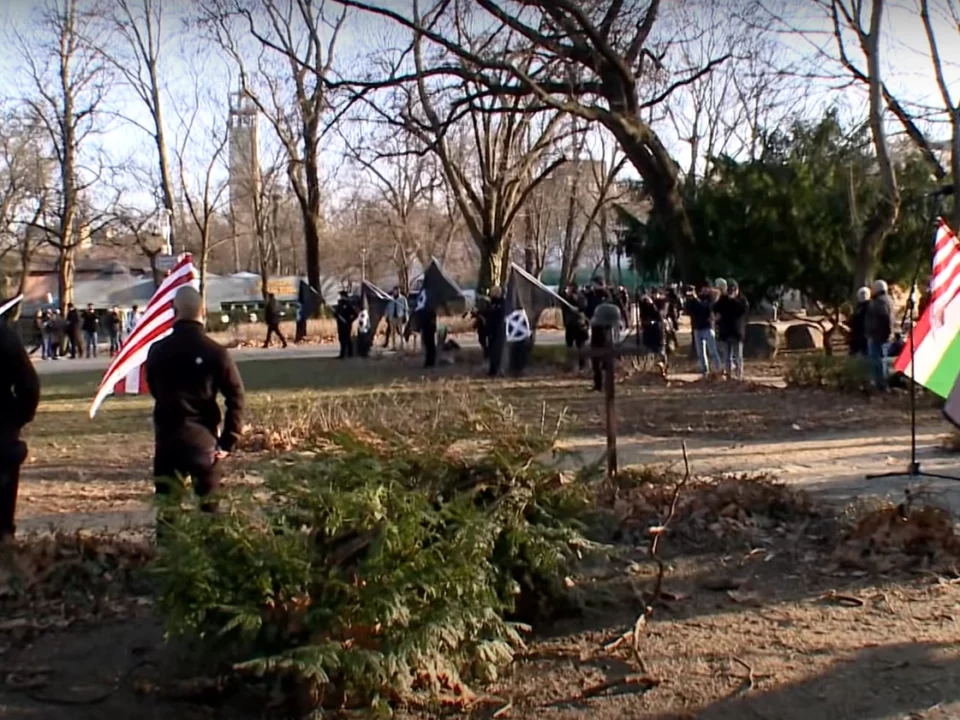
<point x="731" y="310"/>
<point x="496" y="323"/>
<point x="91" y="330"/>
<point x="653" y="329"/>
<point x="271" y="315"/>
<point x="575" y="329"/>
<point x="700" y="309"/>
<point x="185" y="372"/>
<point x="19" y="397"/>
<point x="73" y="331"/>
<point x="345" y="313"/>
<point x="858" y="323"/>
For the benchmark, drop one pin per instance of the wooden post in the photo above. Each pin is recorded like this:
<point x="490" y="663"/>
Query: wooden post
<point x="609" y="353"/>
<point x="609" y="391"/>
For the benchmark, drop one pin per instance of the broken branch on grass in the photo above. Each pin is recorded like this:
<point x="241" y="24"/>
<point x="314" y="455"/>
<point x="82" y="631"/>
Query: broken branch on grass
<point x="504" y="711"/>
<point x="749" y="681"/>
<point x="661" y="530"/>
<point x="847" y="600"/>
<point x="643" y="682"/>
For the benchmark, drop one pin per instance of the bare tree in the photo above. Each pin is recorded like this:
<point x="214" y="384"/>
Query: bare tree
<point x="595" y="60"/>
<point x="69" y="79"/>
<point x="849" y="16"/>
<point x="138" y="26"/>
<point x="200" y="153"/>
<point x="405" y="176"/>
<point x="285" y="77"/>
<point x="951" y="14"/>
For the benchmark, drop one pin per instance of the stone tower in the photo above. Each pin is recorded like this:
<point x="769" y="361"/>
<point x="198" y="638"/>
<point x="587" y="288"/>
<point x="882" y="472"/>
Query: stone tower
<point x="244" y="171"/>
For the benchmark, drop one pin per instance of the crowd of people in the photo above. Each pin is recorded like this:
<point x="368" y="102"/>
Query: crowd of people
<point x="78" y="333"/>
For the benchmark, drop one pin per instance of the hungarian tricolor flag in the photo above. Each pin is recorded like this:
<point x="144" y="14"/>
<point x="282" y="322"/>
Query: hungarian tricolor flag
<point x="937" y="333"/>
<point x="126" y="372"/>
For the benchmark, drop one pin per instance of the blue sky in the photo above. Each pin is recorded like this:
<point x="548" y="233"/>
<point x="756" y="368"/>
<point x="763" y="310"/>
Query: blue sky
<point x="906" y="65"/>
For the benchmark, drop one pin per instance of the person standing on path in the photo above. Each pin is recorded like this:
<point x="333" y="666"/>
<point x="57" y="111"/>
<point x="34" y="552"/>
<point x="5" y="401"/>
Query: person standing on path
<point x="879" y="326"/>
<point x="700" y="309"/>
<point x="732" y="309"/>
<point x="271" y="315"/>
<point x="73" y="332"/>
<point x="19" y="397"/>
<point x="186" y="371"/>
<point x="345" y="313"/>
<point x="91" y="330"/>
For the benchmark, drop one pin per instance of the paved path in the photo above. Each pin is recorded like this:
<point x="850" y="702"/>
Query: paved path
<point x="832" y="466"/>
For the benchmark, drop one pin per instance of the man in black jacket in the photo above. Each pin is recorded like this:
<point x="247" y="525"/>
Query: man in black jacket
<point x="73" y="331"/>
<point x="345" y="313"/>
<point x="91" y="330"/>
<point x="495" y="320"/>
<point x="185" y="372"/>
<point x="731" y="310"/>
<point x="271" y="315"/>
<point x="575" y="328"/>
<point x="700" y="309"/>
<point x="19" y="396"/>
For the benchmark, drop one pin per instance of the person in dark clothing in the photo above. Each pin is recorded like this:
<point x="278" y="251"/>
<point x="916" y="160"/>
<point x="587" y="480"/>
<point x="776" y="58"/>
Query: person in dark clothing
<point x="495" y="321"/>
<point x="271" y="315"/>
<point x="185" y="372"/>
<point x="575" y="328"/>
<point x="879" y="326"/>
<point x="345" y="313"/>
<point x="91" y="330"/>
<point x="19" y="397"/>
<point x="700" y="309"/>
<point x="653" y="330"/>
<point x="479" y="317"/>
<point x="73" y="323"/>
<point x="858" y="323"/>
<point x="594" y="296"/>
<point x="114" y="325"/>
<point x="606" y="318"/>
<point x="731" y="310"/>
<point x="40" y="334"/>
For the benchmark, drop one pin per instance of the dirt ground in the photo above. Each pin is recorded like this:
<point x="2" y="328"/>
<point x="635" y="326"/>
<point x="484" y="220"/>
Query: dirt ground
<point x="785" y="632"/>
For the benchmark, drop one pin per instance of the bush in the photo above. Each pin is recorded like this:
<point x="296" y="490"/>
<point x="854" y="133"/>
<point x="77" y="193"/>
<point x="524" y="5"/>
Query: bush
<point x="381" y="566"/>
<point x="835" y="372"/>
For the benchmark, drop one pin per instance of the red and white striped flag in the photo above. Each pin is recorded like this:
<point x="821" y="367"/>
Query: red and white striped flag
<point x="126" y="372"/>
<point x="945" y="279"/>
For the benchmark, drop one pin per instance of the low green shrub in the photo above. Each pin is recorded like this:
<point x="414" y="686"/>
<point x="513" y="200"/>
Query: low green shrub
<point x="835" y="372"/>
<point x="378" y="566"/>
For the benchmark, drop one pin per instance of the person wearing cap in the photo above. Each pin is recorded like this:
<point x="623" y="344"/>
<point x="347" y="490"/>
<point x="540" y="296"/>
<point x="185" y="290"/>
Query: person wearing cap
<point x="858" y="323"/>
<point x="879" y="327"/>
<point x="186" y="372"/>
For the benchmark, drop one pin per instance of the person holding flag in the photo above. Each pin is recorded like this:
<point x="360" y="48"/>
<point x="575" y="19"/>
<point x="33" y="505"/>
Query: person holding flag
<point x="185" y="373"/>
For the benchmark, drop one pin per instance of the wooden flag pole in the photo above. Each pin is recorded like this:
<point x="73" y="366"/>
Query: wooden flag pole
<point x="609" y="354"/>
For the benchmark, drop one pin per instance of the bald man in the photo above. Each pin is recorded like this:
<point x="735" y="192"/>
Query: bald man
<point x="186" y="371"/>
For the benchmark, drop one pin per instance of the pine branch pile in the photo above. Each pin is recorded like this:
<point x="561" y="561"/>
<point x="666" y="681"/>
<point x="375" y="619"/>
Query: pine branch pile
<point x="384" y="568"/>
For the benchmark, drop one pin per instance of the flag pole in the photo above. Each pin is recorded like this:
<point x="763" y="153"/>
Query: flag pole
<point x="914" y="470"/>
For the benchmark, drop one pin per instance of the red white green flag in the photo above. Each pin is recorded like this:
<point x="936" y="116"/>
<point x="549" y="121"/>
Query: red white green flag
<point x="937" y="333"/>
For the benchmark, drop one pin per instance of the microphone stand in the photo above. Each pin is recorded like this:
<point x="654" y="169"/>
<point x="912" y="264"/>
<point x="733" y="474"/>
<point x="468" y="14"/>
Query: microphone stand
<point x="913" y="469"/>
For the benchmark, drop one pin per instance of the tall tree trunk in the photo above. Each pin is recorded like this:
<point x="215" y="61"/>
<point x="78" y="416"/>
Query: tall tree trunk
<point x="65" y="274"/>
<point x="605" y="247"/>
<point x="888" y="208"/>
<point x="660" y="177"/>
<point x="493" y="263"/>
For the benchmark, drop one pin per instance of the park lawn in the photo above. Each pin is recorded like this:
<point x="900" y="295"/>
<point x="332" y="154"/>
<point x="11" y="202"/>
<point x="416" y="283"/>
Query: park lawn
<point x="748" y="629"/>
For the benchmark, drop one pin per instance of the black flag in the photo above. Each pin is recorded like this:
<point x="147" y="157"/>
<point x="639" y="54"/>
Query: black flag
<point x="375" y="302"/>
<point x="524" y="302"/>
<point x="437" y="291"/>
